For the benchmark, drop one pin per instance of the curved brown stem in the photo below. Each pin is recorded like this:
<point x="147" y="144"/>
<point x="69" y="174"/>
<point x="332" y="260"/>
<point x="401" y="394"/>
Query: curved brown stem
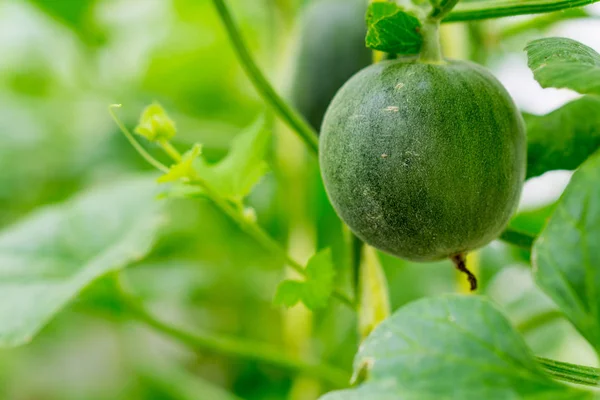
<point x="460" y="262"/>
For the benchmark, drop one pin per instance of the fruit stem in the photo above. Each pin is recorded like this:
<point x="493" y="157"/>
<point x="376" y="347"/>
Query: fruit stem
<point x="460" y="262"/>
<point x="431" y="50"/>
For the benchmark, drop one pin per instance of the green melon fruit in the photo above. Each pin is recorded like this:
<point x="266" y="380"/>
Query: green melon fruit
<point x="331" y="49"/>
<point x="423" y="161"/>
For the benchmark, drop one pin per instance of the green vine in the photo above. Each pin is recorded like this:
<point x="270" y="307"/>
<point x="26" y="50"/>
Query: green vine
<point x="231" y="346"/>
<point x="538" y="321"/>
<point x="441" y="9"/>
<point x="431" y="51"/>
<point x="572" y="373"/>
<point x="469" y="11"/>
<point x="292" y="118"/>
<point x="232" y="211"/>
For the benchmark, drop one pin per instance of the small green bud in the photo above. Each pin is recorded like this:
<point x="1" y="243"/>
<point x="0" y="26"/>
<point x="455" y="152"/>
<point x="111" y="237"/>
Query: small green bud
<point x="155" y="125"/>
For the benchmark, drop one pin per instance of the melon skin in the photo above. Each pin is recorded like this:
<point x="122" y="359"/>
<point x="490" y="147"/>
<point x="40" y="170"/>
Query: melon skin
<point x="423" y="161"/>
<point x="331" y="49"/>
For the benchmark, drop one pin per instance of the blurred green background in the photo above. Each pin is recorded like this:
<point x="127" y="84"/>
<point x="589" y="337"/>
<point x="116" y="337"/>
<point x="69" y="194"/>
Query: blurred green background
<point x="62" y="62"/>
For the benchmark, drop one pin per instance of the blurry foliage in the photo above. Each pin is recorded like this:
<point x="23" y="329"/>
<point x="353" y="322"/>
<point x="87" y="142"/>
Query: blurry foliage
<point x="63" y="62"/>
<point x="78" y="15"/>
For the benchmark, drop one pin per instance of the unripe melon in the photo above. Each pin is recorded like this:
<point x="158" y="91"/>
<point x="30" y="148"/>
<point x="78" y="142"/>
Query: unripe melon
<point x="423" y="161"/>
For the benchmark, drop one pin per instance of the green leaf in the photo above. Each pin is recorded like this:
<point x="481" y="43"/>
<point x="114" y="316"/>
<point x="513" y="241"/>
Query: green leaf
<point x="518" y="238"/>
<point x="183" y="170"/>
<point x="243" y="167"/>
<point x="317" y="287"/>
<point x="565" y="63"/>
<point x="566" y="258"/>
<point x="532" y="222"/>
<point x="564" y="138"/>
<point x="155" y="125"/>
<point x="289" y="293"/>
<point x="393" y="30"/>
<point x="48" y="258"/>
<point x="450" y="347"/>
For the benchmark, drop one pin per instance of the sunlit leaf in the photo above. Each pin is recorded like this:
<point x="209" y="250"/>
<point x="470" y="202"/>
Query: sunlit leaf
<point x="183" y="170"/>
<point x="49" y="257"/>
<point x="564" y="138"/>
<point x="289" y="293"/>
<point x="451" y="348"/>
<point x="566" y="256"/>
<point x="315" y="290"/>
<point x="243" y="167"/>
<point x="393" y="30"/>
<point x="532" y="221"/>
<point x="565" y="63"/>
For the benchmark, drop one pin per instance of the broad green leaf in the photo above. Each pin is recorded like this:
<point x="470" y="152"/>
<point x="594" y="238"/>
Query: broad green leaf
<point x="242" y="168"/>
<point x="450" y="347"/>
<point x="317" y="287"/>
<point x="393" y="30"/>
<point x="566" y="256"/>
<point x="532" y="221"/>
<point x="155" y="125"/>
<point x="564" y="138"/>
<point x="564" y="63"/>
<point x="48" y="258"/>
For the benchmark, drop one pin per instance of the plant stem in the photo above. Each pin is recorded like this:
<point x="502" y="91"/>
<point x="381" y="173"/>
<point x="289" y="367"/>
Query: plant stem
<point x="262" y="237"/>
<point x="294" y="120"/>
<point x="354" y="249"/>
<point x="431" y="51"/>
<point x="538" y="321"/>
<point x="571" y="372"/>
<point x="248" y="226"/>
<point x="374" y="303"/>
<point x="290" y="116"/>
<point x="234" y="347"/>
<point x="518" y="238"/>
<point x="469" y="11"/>
<point x="441" y="10"/>
<point x="170" y="150"/>
<point x="460" y="262"/>
<point x="138" y="147"/>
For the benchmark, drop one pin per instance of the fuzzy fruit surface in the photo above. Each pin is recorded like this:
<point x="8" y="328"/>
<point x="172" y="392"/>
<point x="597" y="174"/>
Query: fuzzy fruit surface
<point x="331" y="49"/>
<point x="423" y="161"/>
